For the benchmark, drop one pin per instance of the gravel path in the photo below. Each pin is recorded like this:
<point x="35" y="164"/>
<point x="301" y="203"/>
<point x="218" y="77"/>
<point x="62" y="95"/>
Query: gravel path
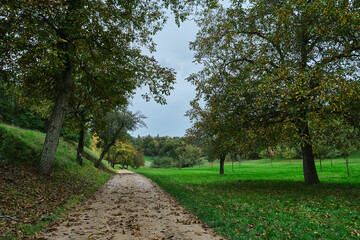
<point x="130" y="206"/>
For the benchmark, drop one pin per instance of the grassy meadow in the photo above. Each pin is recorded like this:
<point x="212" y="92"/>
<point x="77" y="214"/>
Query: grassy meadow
<point x="260" y="201"/>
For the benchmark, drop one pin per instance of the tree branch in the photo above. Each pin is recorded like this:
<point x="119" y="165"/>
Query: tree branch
<point x="12" y="218"/>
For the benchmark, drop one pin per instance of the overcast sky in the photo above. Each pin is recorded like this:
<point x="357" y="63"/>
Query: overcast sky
<point x="173" y="52"/>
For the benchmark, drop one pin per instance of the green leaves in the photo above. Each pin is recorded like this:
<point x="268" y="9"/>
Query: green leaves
<point x="102" y="41"/>
<point x="270" y="68"/>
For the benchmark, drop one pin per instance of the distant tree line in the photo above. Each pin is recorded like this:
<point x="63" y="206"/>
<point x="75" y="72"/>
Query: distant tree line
<point x="169" y="152"/>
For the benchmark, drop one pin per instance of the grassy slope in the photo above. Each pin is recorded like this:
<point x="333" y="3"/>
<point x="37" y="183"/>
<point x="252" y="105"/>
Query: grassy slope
<point x="260" y="201"/>
<point x="148" y="161"/>
<point x="34" y="199"/>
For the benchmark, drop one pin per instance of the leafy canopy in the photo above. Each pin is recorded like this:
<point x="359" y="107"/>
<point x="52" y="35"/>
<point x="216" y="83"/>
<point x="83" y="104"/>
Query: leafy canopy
<point x="270" y="68"/>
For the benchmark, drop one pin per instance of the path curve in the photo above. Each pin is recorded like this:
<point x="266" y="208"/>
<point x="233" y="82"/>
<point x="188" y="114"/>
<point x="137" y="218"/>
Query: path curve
<point x="130" y="206"/>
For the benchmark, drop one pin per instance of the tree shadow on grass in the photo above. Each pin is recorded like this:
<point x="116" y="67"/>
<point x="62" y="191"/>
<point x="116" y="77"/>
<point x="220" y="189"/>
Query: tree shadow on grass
<point x="344" y="192"/>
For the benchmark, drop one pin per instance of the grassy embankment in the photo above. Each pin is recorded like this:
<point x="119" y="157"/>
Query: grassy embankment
<point x="258" y="201"/>
<point x="29" y="201"/>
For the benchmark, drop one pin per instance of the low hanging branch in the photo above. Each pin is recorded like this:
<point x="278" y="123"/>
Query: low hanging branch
<point x="10" y="217"/>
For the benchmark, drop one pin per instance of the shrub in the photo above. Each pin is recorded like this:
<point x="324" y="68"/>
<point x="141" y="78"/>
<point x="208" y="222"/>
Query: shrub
<point x="162" y="162"/>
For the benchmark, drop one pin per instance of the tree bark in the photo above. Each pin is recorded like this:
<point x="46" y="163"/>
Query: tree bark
<point x="80" y="147"/>
<point x="309" y="167"/>
<point x="102" y="155"/>
<point x="310" y="173"/>
<point x="56" y="121"/>
<point x="347" y="165"/>
<point x="179" y="164"/>
<point x="222" y="162"/>
<point x="98" y="162"/>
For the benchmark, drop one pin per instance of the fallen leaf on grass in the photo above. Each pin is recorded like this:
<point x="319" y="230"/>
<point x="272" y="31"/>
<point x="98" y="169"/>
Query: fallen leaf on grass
<point x="355" y="232"/>
<point x="35" y="196"/>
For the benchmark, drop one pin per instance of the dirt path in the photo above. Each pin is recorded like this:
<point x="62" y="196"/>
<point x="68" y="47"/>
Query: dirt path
<point x="130" y="206"/>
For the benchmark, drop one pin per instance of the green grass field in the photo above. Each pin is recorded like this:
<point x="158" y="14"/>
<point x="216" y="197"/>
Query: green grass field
<point x="258" y="201"/>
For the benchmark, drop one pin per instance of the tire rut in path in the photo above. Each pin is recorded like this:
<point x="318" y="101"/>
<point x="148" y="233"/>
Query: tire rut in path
<point x="130" y="206"/>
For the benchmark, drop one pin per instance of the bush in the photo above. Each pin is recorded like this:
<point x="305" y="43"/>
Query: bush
<point x="162" y="162"/>
<point x="139" y="160"/>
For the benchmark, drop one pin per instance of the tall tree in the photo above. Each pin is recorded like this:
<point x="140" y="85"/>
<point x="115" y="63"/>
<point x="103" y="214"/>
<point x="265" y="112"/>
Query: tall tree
<point x="55" y="48"/>
<point x="84" y="113"/>
<point x="118" y="124"/>
<point x="210" y="128"/>
<point x="278" y="65"/>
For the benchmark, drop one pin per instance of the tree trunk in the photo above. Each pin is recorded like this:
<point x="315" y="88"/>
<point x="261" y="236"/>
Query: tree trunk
<point x="347" y="165"/>
<point x="310" y="173"/>
<point x="102" y="155"/>
<point x="222" y="162"/>
<point x="179" y="164"/>
<point x="107" y="147"/>
<point x="309" y="167"/>
<point x="56" y="121"/>
<point x="98" y="162"/>
<point x="80" y="147"/>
